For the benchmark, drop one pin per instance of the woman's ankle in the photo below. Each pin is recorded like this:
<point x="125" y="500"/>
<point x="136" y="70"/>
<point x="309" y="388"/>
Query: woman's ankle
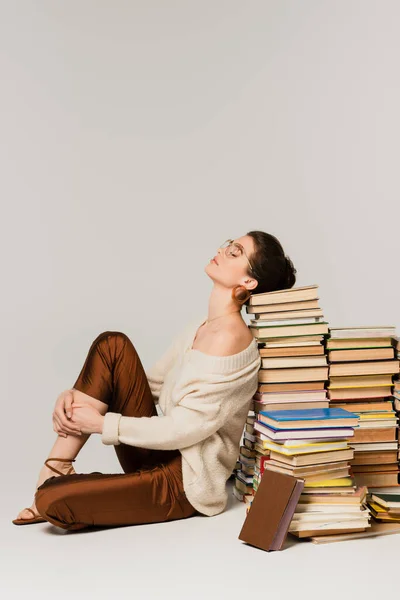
<point x="46" y="472"/>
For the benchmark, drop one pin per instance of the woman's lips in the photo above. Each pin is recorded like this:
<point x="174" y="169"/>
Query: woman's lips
<point x="215" y="260"/>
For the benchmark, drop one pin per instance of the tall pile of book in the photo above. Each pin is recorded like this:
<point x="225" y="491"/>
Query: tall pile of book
<point x="295" y="430"/>
<point x="384" y="502"/>
<point x="289" y="327"/>
<point x="362" y="363"/>
<point x="396" y="390"/>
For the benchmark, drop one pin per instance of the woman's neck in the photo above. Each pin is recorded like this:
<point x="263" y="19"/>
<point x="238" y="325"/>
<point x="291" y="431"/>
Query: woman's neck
<point x="221" y="304"/>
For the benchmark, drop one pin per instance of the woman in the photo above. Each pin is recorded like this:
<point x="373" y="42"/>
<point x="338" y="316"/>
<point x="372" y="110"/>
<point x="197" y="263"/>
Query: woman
<point x="175" y="465"/>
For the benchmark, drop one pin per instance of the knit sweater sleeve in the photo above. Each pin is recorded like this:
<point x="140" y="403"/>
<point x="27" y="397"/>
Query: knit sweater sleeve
<point x="199" y="413"/>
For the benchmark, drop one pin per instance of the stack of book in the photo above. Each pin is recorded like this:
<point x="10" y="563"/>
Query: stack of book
<point x="289" y="326"/>
<point x="310" y="443"/>
<point x="313" y="444"/>
<point x="383" y="502"/>
<point x="331" y="512"/>
<point x="243" y="475"/>
<point x="396" y="391"/>
<point x="261" y="453"/>
<point x="362" y="363"/>
<point x="385" y="507"/>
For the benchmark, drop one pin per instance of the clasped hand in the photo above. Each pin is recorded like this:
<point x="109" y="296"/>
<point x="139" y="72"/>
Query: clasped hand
<point x="73" y="417"/>
<point x="87" y="418"/>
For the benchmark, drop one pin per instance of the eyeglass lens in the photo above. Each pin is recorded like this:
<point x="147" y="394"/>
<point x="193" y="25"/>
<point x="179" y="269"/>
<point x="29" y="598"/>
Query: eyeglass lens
<point x="234" y="250"/>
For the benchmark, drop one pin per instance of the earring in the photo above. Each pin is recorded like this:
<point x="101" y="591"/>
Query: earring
<point x="240" y="294"/>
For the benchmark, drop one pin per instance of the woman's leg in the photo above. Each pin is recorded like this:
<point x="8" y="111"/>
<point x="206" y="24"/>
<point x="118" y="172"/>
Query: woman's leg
<point x="113" y="375"/>
<point x="85" y="500"/>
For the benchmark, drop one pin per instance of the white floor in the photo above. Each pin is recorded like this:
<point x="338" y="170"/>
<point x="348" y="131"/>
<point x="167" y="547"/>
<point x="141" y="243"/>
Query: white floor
<point x="199" y="557"/>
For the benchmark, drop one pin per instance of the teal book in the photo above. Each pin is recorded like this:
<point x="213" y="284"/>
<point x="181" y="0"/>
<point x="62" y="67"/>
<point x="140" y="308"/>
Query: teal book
<point x="309" y="414"/>
<point x="387" y="500"/>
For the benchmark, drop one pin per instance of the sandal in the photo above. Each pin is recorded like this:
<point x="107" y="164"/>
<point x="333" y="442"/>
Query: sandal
<point x="60" y="460"/>
<point x="36" y="518"/>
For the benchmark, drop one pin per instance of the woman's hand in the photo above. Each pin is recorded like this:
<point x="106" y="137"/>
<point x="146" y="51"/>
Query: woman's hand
<point x="87" y="418"/>
<point x="62" y="410"/>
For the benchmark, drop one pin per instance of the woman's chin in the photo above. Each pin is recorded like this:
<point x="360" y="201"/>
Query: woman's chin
<point x="209" y="269"/>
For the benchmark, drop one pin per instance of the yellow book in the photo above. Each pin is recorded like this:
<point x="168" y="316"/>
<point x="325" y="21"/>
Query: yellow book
<point x="380" y="415"/>
<point x="387" y="518"/>
<point x="376" y="507"/>
<point x="306" y="449"/>
<point x="340" y="482"/>
<point x="303" y="443"/>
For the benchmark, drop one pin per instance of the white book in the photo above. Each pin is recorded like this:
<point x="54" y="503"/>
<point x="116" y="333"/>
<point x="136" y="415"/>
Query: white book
<point x="362" y="332"/>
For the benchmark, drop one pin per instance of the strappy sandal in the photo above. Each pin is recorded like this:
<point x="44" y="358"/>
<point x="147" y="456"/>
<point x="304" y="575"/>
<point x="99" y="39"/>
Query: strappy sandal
<point x="36" y="518"/>
<point x="60" y="460"/>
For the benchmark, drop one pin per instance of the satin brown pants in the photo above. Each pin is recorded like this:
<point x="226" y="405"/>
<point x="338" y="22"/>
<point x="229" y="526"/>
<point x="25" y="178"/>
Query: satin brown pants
<point x="150" y="489"/>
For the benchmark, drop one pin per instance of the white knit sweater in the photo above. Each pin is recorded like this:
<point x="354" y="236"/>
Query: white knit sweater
<point x="205" y="400"/>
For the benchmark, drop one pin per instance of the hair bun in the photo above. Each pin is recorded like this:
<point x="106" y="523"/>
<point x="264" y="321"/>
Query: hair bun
<point x="271" y="267"/>
<point x="240" y="294"/>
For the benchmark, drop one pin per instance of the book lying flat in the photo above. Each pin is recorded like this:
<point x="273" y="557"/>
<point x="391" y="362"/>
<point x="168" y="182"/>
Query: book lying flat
<point x="374" y="530"/>
<point x="350" y="528"/>
<point x="311" y="477"/>
<point x="364" y="368"/>
<point x="313" y="458"/>
<point x="274" y="503"/>
<point x="294" y="294"/>
<point x="387" y="500"/>
<point x="318" y="417"/>
<point x="306" y="448"/>
<point x="269" y="433"/>
<point x="362" y="332"/>
<point x="306" y="470"/>
<point x="284" y="306"/>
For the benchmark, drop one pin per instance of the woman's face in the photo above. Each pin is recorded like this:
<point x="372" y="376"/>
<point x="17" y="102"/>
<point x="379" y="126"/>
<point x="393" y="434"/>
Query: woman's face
<point x="231" y="268"/>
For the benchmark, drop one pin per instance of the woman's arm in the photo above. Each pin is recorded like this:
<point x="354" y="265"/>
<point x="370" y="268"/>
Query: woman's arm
<point x="199" y="414"/>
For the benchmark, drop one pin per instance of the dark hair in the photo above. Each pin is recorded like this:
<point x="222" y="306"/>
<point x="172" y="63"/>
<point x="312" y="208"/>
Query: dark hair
<point x="274" y="270"/>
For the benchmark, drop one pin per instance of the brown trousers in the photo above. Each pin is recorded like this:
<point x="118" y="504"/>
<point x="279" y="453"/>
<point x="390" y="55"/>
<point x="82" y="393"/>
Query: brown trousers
<point x="150" y="490"/>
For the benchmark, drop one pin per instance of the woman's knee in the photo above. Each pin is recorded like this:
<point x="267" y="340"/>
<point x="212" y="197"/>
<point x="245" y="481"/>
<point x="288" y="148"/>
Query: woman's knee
<point x="84" y="398"/>
<point x="105" y="335"/>
<point x="44" y="501"/>
<point x="55" y="510"/>
<point x="117" y="338"/>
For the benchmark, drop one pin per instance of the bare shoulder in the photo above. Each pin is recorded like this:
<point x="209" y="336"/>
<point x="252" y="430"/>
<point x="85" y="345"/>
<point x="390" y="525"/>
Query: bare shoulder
<point x="231" y="341"/>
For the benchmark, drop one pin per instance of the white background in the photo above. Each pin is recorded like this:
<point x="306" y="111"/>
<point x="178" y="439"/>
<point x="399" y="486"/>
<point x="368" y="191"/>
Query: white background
<point x="136" y="136"/>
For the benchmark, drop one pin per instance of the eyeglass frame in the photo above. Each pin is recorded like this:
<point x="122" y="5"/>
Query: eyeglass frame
<point x="233" y="243"/>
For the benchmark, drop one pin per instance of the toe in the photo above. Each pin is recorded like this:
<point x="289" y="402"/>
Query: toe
<point x="25" y="514"/>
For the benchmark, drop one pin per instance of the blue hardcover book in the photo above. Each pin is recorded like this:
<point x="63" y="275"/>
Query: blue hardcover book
<point x="307" y="428"/>
<point x="308" y="414"/>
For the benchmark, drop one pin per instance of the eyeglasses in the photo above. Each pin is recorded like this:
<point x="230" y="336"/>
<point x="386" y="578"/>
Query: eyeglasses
<point x="234" y="249"/>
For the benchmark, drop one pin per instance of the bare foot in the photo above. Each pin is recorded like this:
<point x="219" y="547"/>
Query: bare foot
<point x="44" y="474"/>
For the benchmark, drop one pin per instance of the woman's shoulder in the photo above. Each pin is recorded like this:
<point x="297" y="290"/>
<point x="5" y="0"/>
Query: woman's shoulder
<point x="232" y="340"/>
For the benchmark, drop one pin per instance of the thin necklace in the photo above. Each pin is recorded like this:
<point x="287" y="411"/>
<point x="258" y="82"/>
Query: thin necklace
<point x="229" y="313"/>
